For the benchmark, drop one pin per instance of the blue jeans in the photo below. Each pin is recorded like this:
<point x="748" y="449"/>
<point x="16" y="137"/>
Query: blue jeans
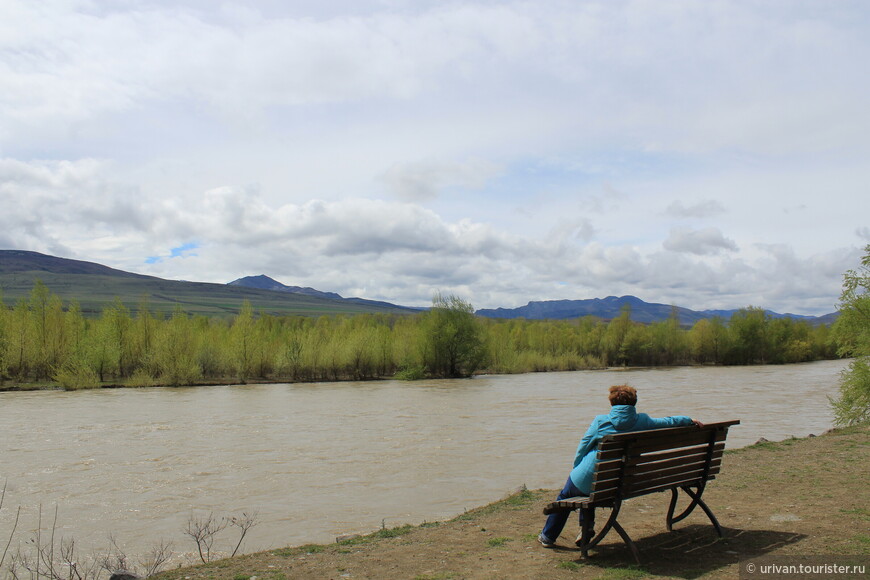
<point x="556" y="522"/>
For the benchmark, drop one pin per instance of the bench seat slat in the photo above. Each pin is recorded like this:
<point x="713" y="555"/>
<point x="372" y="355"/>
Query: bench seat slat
<point x="684" y="463"/>
<point x="653" y="481"/>
<point x="687" y="435"/>
<point x="662" y="487"/>
<point x="610" y="450"/>
<point x="607" y="494"/>
<point x="656" y="444"/>
<point x="720" y="426"/>
<point x="606" y="484"/>
<point x="652" y="462"/>
<point x="633" y="478"/>
<point x="606" y="497"/>
<point x="659" y="442"/>
<point x="718" y="448"/>
<point x="654" y="478"/>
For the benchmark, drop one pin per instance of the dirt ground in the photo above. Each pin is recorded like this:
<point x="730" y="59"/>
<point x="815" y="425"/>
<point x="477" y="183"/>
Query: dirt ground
<point x="791" y="498"/>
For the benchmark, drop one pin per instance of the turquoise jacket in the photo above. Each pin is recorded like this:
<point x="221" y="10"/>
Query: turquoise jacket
<point x="622" y="419"/>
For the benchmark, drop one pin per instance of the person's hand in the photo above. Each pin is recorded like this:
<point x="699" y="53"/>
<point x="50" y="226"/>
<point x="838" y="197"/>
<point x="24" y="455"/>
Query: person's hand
<point x="697" y="423"/>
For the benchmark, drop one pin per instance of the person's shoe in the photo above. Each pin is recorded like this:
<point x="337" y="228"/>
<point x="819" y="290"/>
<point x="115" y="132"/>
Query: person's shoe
<point x="545" y="541"/>
<point x="579" y="541"/>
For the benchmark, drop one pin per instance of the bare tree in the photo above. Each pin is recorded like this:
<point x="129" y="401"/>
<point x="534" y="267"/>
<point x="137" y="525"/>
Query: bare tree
<point x="14" y="525"/>
<point x="203" y="531"/>
<point x="244" y="522"/>
<point x="156" y="558"/>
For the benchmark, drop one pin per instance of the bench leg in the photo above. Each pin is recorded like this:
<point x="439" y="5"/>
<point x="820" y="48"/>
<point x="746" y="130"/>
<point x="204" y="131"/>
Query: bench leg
<point x="696" y="501"/>
<point x="614" y="512"/>
<point x="634" y="551"/>
<point x="588" y="542"/>
<point x="696" y="497"/>
<point x="586" y="532"/>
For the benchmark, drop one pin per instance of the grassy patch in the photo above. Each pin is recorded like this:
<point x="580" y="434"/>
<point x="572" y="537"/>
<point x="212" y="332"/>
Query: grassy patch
<point x="299" y="550"/>
<point x="767" y="446"/>
<point x="780" y="445"/>
<point x="632" y="573"/>
<point x="569" y="565"/>
<point x="519" y="500"/>
<point x="382" y="533"/>
<point x="496" y="542"/>
<point x="430" y="524"/>
<point x="394" y="532"/>
<point x="862" y="513"/>
<point x="861" y="543"/>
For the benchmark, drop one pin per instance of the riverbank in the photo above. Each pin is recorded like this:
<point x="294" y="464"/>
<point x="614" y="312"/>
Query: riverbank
<point x="789" y="498"/>
<point x="11" y="386"/>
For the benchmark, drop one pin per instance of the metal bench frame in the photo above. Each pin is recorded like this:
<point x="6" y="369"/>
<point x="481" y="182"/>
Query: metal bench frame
<point x="641" y="462"/>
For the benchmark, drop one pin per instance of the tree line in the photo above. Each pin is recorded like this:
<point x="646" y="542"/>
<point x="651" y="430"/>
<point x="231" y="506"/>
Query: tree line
<point x="852" y="336"/>
<point x="44" y="341"/>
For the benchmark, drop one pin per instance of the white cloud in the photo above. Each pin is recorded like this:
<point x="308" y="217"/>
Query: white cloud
<point x="703" y="209"/>
<point x="701" y="242"/>
<point x="608" y="68"/>
<point x="424" y="181"/>
<point x="510" y="151"/>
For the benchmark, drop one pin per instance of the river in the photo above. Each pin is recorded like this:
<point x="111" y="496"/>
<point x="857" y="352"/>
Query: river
<point x="316" y="461"/>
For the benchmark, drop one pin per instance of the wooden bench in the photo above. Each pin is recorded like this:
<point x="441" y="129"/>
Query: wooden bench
<point x="642" y="462"/>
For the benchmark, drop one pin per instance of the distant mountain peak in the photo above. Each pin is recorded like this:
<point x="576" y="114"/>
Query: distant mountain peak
<point x="264" y="282"/>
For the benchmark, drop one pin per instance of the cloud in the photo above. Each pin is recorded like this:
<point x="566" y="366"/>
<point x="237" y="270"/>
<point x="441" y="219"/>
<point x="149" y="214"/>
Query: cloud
<point x="54" y="204"/>
<point x="424" y="181"/>
<point x="390" y="250"/>
<point x="508" y="151"/>
<point x="703" y="209"/>
<point x="706" y="241"/>
<point x="67" y="63"/>
<point x="75" y="64"/>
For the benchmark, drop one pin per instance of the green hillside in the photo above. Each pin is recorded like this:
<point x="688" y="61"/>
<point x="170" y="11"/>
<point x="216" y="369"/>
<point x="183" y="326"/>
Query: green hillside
<point x="93" y="286"/>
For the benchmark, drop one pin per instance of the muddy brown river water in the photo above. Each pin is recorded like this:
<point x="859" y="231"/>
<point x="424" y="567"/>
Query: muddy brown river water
<point x="316" y="461"/>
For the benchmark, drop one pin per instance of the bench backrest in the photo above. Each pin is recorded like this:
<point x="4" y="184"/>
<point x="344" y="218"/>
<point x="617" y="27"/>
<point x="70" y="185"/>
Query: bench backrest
<point x="641" y="462"/>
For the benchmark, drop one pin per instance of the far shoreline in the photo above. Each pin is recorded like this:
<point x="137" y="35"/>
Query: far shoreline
<point x="234" y="382"/>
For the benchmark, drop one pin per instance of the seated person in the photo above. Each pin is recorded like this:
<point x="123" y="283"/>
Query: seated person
<point x="623" y="418"/>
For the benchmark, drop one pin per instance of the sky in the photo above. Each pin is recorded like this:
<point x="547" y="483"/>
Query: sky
<point x="706" y="154"/>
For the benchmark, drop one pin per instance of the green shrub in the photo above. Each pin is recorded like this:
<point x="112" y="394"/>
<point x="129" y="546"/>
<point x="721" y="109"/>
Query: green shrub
<point x="76" y="375"/>
<point x="414" y="373"/>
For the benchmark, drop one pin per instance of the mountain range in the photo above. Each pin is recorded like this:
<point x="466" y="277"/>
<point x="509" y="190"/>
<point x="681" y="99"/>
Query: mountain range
<point x="611" y="307"/>
<point x="94" y="286"/>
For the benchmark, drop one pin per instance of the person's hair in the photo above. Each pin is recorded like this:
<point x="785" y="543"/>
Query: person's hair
<point x="623" y="395"/>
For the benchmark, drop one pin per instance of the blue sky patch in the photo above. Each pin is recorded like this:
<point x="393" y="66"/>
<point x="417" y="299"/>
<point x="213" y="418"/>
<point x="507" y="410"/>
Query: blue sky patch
<point x="182" y="251"/>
